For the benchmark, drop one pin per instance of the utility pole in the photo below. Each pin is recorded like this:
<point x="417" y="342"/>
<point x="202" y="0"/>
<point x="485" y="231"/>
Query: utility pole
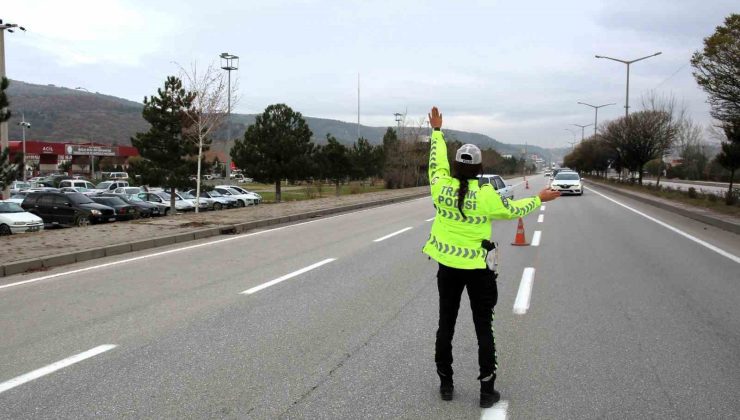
<point x="358" y="106"/>
<point x="229" y="62"/>
<point x="628" y="63"/>
<point x="24" y="124"/>
<point x="10" y="27"/>
<point x="596" y="112"/>
<point x="582" y="128"/>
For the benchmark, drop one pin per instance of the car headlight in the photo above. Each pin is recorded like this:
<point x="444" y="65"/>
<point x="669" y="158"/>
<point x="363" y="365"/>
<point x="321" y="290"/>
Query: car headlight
<point x="95" y="212"/>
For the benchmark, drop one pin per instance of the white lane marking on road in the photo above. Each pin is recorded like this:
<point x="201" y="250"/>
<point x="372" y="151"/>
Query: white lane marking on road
<point x="718" y="250"/>
<point x="497" y="412"/>
<point x="392" y="234"/>
<point x="287" y="276"/>
<point x="521" y="304"/>
<point x="542" y="208"/>
<point x="28" y="377"/>
<point x="189" y="247"/>
<point x="541" y="218"/>
<point x="536" y="238"/>
<point x="429" y="220"/>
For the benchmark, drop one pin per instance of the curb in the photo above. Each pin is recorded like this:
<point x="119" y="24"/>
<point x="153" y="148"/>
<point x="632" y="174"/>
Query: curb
<point x="22" y="266"/>
<point x="710" y="220"/>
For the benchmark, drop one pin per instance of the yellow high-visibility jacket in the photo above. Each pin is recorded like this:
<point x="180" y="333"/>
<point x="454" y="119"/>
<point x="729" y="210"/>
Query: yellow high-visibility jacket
<point x="456" y="241"/>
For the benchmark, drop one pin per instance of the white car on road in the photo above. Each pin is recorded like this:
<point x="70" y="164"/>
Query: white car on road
<point x="242" y="198"/>
<point x="504" y="190"/>
<point x="567" y="182"/>
<point x="13" y="219"/>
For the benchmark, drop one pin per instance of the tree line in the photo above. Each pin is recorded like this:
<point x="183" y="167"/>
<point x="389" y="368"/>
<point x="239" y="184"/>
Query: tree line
<point x="640" y="141"/>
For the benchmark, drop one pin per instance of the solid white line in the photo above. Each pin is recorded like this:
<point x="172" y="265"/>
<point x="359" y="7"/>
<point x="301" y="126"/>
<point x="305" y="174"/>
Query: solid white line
<point x="536" y="238"/>
<point x="28" y="377"/>
<point x="521" y="304"/>
<point x="497" y="412"/>
<point x="542" y="208"/>
<point x="287" y="276"/>
<point x="718" y="250"/>
<point x="541" y="218"/>
<point x="189" y="247"/>
<point x="392" y="234"/>
<point x="429" y="220"/>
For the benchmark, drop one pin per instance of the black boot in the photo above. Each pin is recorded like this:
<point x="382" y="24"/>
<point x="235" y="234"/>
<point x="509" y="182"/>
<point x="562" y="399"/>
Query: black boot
<point x="488" y="395"/>
<point x="446" y="387"/>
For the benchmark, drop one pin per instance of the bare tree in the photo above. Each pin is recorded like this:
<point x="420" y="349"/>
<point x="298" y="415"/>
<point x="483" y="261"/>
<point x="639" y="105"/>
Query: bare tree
<point x="208" y="111"/>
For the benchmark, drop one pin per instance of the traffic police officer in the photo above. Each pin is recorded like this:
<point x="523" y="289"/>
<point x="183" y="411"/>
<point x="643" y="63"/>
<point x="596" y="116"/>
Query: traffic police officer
<point x="462" y="223"/>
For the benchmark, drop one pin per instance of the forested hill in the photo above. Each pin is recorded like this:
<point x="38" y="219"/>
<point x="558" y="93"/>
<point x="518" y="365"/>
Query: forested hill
<point x="60" y="114"/>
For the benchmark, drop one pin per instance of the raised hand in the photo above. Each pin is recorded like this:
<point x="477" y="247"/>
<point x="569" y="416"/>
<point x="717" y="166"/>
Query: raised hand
<point x="435" y="118"/>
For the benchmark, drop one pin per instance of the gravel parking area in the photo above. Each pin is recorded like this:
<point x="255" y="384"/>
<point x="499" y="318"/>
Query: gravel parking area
<point x="57" y="240"/>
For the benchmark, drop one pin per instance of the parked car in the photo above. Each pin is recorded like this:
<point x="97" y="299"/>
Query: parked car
<point x="18" y="186"/>
<point x="73" y="183"/>
<point x="117" y="176"/>
<point x="567" y="182"/>
<point x="124" y="210"/>
<point x="81" y="190"/>
<point x="13" y="219"/>
<point x="67" y="209"/>
<point x="109" y="186"/>
<point x="219" y="200"/>
<point x="247" y="192"/>
<point x="243" y="199"/>
<point x="55" y="180"/>
<point x="18" y="198"/>
<point x="145" y="208"/>
<point x="203" y="204"/>
<point x="498" y="184"/>
<point x="127" y="190"/>
<point x="162" y="197"/>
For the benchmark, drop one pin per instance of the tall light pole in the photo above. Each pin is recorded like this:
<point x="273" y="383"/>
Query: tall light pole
<point x="572" y="131"/>
<point x="399" y="118"/>
<point x="596" y="112"/>
<point x="92" y="157"/>
<point x="582" y="129"/>
<point x="628" y="63"/>
<point x="10" y="27"/>
<point x="229" y="62"/>
<point x="24" y="124"/>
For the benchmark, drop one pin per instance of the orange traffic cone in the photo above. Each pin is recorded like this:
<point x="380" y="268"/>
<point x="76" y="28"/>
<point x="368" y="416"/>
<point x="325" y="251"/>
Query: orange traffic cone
<point x="520" y="239"/>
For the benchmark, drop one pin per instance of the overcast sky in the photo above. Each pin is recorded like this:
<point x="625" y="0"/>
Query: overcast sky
<point x="511" y="70"/>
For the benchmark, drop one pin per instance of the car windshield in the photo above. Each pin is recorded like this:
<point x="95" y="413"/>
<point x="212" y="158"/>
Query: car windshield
<point x="215" y="193"/>
<point x="133" y="197"/>
<point x="82" y="189"/>
<point x="19" y="196"/>
<point x="114" y="201"/>
<point x="79" y="198"/>
<point x="187" y="196"/>
<point x="166" y="196"/>
<point x="104" y="185"/>
<point x="233" y="191"/>
<point x="10" y="208"/>
<point x="22" y="185"/>
<point x="567" y="176"/>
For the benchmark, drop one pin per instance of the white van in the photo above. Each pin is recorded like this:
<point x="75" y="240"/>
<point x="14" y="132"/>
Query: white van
<point x="118" y="175"/>
<point x="75" y="183"/>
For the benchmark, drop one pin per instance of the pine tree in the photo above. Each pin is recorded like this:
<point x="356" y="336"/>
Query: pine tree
<point x="277" y="146"/>
<point x="8" y="170"/>
<point x="168" y="153"/>
<point x="335" y="161"/>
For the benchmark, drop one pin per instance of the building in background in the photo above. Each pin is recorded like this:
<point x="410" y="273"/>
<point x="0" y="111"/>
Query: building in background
<point x="50" y="156"/>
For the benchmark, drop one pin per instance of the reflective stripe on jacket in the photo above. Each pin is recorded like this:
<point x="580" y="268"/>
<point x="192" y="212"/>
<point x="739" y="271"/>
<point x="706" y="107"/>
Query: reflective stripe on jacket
<point x="455" y="241"/>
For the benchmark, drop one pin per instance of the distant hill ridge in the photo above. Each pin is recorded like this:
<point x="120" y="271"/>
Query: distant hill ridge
<point x="60" y="114"/>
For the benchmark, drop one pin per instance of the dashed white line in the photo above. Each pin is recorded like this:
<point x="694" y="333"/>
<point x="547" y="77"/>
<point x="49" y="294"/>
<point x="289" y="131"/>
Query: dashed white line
<point x="542" y="208"/>
<point x="521" y="304"/>
<point x="536" y="238"/>
<point x="497" y="412"/>
<point x="429" y="220"/>
<point x="286" y="277"/>
<point x="392" y="234"/>
<point x="541" y="218"/>
<point x="718" y="250"/>
<point x="30" y="376"/>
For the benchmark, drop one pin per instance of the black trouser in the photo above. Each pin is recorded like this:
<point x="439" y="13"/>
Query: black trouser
<point x="483" y="294"/>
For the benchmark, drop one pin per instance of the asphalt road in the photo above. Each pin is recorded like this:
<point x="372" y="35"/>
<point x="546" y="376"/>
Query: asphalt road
<point x="628" y="318"/>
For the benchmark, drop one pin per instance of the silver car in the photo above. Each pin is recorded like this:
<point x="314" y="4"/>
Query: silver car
<point x="504" y="190"/>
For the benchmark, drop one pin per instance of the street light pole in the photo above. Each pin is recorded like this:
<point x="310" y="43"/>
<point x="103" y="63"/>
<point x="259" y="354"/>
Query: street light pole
<point x="24" y="124"/>
<point x="10" y="27"/>
<point x="229" y="62"/>
<point x="572" y="132"/>
<point x="582" y="129"/>
<point x="596" y="112"/>
<point x="628" y="63"/>
<point x="399" y="118"/>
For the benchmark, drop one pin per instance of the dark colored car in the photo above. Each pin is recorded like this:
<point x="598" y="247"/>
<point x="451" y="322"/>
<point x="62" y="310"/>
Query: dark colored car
<point x="67" y="209"/>
<point x="124" y="210"/>
<point x="145" y="208"/>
